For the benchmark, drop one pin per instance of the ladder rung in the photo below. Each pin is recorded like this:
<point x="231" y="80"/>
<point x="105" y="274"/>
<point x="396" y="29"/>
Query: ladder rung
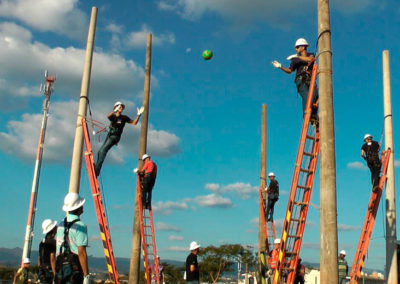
<point x="294" y="236"/>
<point x="308" y="154"/>
<point x="306" y="171"/>
<point x="291" y="253"/>
<point x="310" y="137"/>
<point x="298" y="203"/>
<point x="296" y="220"/>
<point x="304" y="187"/>
<point x="288" y="268"/>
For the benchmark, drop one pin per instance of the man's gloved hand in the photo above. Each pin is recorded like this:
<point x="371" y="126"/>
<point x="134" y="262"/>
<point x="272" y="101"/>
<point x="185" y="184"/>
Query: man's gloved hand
<point x="290" y="57"/>
<point x="140" y="110"/>
<point x="135" y="170"/>
<point x="276" y="64"/>
<point x="86" y="279"/>
<point x="117" y="108"/>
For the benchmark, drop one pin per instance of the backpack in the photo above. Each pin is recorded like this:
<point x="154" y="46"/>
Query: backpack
<point x="68" y="268"/>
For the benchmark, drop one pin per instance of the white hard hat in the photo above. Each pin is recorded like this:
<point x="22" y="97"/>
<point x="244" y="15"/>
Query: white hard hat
<point x="26" y="260"/>
<point x="48" y="225"/>
<point x="194" y="245"/>
<point x="343" y="252"/>
<point x="300" y="42"/>
<point x="271" y="174"/>
<point x="72" y="201"/>
<point x="277" y="241"/>
<point x="145" y="156"/>
<point x="119" y="103"/>
<point x="367" y="135"/>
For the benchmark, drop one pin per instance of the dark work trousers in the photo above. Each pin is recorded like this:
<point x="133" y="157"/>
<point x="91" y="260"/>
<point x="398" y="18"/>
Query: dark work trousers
<point x="147" y="187"/>
<point x="375" y="168"/>
<point x="270" y="209"/>
<point x="299" y="280"/>
<point x="303" y="87"/>
<point x="110" y="141"/>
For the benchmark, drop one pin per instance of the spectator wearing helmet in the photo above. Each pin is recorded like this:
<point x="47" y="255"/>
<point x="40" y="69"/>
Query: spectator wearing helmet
<point x="343" y="268"/>
<point x="275" y="255"/>
<point x="47" y="252"/>
<point x="148" y="175"/>
<point x="22" y="275"/>
<point x="370" y="153"/>
<point x="118" y="121"/>
<point x="300" y="272"/>
<point x="192" y="267"/>
<point x="302" y="62"/>
<point x="273" y="196"/>
<point x="77" y="239"/>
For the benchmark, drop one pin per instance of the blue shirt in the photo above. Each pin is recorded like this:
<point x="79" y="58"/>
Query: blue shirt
<point x="78" y="236"/>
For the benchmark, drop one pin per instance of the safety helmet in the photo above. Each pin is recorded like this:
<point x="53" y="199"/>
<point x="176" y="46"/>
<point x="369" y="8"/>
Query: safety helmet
<point x="271" y="174"/>
<point x="194" y="245"/>
<point x="300" y="42"/>
<point x="26" y="260"/>
<point x="343" y="252"/>
<point x="277" y="241"/>
<point x="367" y="136"/>
<point x="119" y="103"/>
<point x="145" y="156"/>
<point x="72" y="201"/>
<point x="48" y="225"/>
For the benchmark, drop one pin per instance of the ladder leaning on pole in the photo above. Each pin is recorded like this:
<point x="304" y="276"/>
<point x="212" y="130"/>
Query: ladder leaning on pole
<point x="149" y="250"/>
<point x="300" y="193"/>
<point x="98" y="204"/>
<point x="369" y="222"/>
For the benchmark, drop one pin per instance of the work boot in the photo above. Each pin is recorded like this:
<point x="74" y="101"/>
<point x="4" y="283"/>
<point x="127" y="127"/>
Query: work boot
<point x="375" y="189"/>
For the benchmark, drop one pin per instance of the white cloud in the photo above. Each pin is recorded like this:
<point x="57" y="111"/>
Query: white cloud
<point x="21" y="138"/>
<point x="397" y="163"/>
<point x="175" y="238"/>
<point x="166" y="208"/>
<point x="114" y="28"/>
<point x="176" y="248"/>
<point x="212" y="186"/>
<point x="347" y="228"/>
<point x="357" y="166"/>
<point x="160" y="226"/>
<point x="243" y="190"/>
<point x="138" y="39"/>
<point x="213" y="200"/>
<point x="188" y="50"/>
<point x="61" y="16"/>
<point x="351" y="6"/>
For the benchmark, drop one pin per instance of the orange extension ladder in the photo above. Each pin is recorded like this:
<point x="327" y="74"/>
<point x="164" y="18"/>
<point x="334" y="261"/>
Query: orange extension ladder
<point x="147" y="236"/>
<point x="369" y="222"/>
<point x="269" y="233"/>
<point x="98" y="204"/>
<point x="300" y="194"/>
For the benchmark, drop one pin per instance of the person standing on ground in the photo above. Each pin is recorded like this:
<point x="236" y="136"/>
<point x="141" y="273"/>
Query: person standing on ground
<point x="273" y="196"/>
<point x="47" y="252"/>
<point x="75" y="232"/>
<point x="148" y="175"/>
<point x="192" y="267"/>
<point x="118" y="121"/>
<point x="273" y="260"/>
<point x="370" y="153"/>
<point x="300" y="272"/>
<point x="160" y="272"/>
<point x="21" y="277"/>
<point x="302" y="62"/>
<point x="343" y="268"/>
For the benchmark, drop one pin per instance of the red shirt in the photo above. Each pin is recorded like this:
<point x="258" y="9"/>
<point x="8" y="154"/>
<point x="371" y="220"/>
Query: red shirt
<point x="274" y="258"/>
<point x="150" y="167"/>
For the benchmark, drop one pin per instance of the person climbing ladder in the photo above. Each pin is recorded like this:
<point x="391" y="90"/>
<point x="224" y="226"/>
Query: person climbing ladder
<point x="118" y="121"/>
<point x="370" y="153"/>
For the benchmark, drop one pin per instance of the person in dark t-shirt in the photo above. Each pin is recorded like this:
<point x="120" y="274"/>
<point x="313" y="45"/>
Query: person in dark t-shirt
<point x="47" y="252"/>
<point x="273" y="196"/>
<point x="192" y="267"/>
<point x="370" y="153"/>
<point x="302" y="62"/>
<point x="118" y="121"/>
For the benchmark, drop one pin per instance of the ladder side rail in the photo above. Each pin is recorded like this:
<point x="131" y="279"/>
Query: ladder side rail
<point x="100" y="213"/>
<point x="153" y="237"/>
<point x="304" y="211"/>
<point x="142" y="233"/>
<point x="263" y="219"/>
<point x="369" y="222"/>
<point x="300" y="154"/>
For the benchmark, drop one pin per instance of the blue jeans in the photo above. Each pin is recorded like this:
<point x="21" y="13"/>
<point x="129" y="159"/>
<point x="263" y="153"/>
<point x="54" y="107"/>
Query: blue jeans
<point x="110" y="141"/>
<point x="270" y="209"/>
<point x="302" y="88"/>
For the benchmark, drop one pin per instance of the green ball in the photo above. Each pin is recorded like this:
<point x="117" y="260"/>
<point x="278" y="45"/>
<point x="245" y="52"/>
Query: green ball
<point x="207" y="54"/>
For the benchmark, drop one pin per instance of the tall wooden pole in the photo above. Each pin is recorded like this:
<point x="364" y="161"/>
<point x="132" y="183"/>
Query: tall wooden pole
<point x="134" y="271"/>
<point x="263" y="174"/>
<point x="328" y="220"/>
<point x="391" y="236"/>
<point x="76" y="163"/>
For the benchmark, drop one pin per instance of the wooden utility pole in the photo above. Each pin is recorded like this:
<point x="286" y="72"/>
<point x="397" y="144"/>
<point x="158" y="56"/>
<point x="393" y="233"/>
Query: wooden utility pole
<point x="76" y="163"/>
<point x="328" y="219"/>
<point x="391" y="235"/>
<point x="263" y="174"/>
<point x="134" y="271"/>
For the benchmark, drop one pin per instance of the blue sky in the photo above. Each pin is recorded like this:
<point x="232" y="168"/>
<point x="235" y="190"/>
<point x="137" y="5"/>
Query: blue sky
<point x="205" y="116"/>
